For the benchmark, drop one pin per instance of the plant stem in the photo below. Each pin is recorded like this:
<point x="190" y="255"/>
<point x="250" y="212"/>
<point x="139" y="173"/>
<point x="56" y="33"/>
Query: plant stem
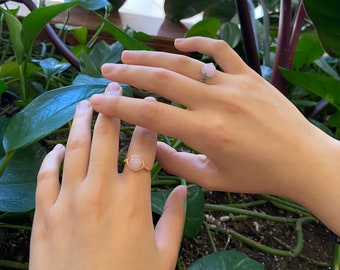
<point x="248" y="35"/>
<point x="5" y="161"/>
<point x="13" y="265"/>
<point x="234" y="210"/>
<point x="336" y="257"/>
<point x="56" y="39"/>
<point x="210" y="238"/>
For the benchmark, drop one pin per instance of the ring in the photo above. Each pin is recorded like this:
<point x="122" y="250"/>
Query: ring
<point x="136" y="163"/>
<point x="208" y="71"/>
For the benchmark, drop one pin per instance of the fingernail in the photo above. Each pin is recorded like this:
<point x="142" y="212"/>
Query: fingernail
<point x="107" y="68"/>
<point x="179" y="40"/>
<point x="127" y="55"/>
<point x="58" y="147"/>
<point x="84" y="106"/>
<point x="150" y="98"/>
<point x="113" y="89"/>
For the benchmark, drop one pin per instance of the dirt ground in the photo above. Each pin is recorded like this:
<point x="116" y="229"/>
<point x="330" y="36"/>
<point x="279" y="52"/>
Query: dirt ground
<point x="14" y="244"/>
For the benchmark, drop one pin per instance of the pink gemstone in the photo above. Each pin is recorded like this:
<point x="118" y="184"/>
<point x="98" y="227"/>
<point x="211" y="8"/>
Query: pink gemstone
<point x="208" y="70"/>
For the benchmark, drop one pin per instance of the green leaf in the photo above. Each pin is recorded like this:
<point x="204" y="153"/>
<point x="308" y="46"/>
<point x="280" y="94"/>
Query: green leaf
<point x="226" y="260"/>
<point x="52" y="67"/>
<point x="308" y="50"/>
<point x="231" y="33"/>
<point x="34" y="22"/>
<point x="15" y="29"/>
<point x="18" y="182"/>
<point x="3" y="124"/>
<point x="220" y="9"/>
<point x="46" y="113"/>
<point x="205" y="28"/>
<point x="11" y="69"/>
<point x="321" y="85"/>
<point x="326" y="19"/>
<point x="3" y="87"/>
<point x="194" y="212"/>
<point x="127" y="41"/>
<point x="100" y="54"/>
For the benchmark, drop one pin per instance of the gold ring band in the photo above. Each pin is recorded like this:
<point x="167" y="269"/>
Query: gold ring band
<point x="136" y="163"/>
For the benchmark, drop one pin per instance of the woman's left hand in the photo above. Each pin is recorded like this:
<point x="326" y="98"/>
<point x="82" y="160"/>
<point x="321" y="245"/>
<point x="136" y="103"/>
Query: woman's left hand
<point x="98" y="218"/>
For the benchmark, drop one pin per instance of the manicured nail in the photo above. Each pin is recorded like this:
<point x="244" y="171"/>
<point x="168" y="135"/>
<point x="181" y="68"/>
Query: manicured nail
<point x="179" y="40"/>
<point x="58" y="147"/>
<point x="113" y="89"/>
<point x="127" y="55"/>
<point x="150" y="98"/>
<point x="84" y="106"/>
<point x="107" y="68"/>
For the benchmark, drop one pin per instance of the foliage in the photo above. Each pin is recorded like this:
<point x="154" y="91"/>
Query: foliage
<point x="50" y="87"/>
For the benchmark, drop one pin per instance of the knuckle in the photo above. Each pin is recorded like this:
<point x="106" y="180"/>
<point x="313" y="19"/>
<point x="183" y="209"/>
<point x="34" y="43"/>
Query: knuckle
<point x="161" y="76"/>
<point x="221" y="45"/>
<point x="183" y="61"/>
<point x="76" y="143"/>
<point x="149" y="111"/>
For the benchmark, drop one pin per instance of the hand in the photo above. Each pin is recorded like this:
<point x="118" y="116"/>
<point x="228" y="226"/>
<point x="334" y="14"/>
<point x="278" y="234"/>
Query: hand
<point x="252" y="138"/>
<point x="99" y="218"/>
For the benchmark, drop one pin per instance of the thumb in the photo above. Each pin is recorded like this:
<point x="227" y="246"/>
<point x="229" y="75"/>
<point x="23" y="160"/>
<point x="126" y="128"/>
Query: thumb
<point x="169" y="229"/>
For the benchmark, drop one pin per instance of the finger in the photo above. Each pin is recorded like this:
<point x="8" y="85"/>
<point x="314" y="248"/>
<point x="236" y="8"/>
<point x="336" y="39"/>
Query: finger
<point x="166" y="83"/>
<point x="194" y="168"/>
<point x="48" y="186"/>
<point x="169" y="228"/>
<point x="153" y="115"/>
<point x="105" y="142"/>
<point x="181" y="64"/>
<point x="78" y="146"/>
<point x="223" y="54"/>
<point x="140" y="157"/>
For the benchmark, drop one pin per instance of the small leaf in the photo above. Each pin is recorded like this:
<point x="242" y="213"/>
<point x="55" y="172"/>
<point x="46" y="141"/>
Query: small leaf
<point x="226" y="260"/>
<point x="205" y="28"/>
<point x="3" y="124"/>
<point x="308" y="50"/>
<point x="52" y="67"/>
<point x="231" y="33"/>
<point x="18" y="181"/>
<point x="321" y="85"/>
<point x="100" y="54"/>
<point x="194" y="212"/>
<point x="3" y="87"/>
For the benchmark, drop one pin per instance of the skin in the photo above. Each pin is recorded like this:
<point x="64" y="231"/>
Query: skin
<point x="99" y="218"/>
<point x="252" y="139"/>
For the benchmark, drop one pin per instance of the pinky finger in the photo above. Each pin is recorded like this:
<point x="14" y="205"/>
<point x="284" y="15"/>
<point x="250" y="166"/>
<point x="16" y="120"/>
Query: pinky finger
<point x="169" y="228"/>
<point x="48" y="185"/>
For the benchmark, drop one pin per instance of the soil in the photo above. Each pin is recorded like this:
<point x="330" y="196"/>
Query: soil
<point x="14" y="243"/>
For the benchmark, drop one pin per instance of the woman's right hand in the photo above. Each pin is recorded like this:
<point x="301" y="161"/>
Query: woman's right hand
<point x="252" y="139"/>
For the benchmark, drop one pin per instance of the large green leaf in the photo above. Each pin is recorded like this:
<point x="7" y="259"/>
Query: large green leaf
<point x="15" y="29"/>
<point x="326" y="19"/>
<point x="221" y="9"/>
<point x="226" y="260"/>
<point x="46" y="113"/>
<point x="127" y="41"/>
<point x="321" y="85"/>
<point x="18" y="182"/>
<point x="34" y="22"/>
<point x="194" y="210"/>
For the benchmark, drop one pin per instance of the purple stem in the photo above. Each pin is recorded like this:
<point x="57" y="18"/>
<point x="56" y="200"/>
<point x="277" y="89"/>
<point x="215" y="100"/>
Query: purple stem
<point x="55" y="39"/>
